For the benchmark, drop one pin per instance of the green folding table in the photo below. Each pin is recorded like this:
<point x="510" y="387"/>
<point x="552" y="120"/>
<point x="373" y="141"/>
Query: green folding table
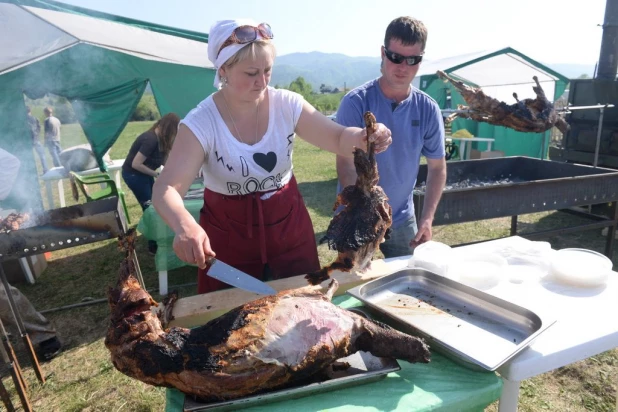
<point x="152" y="226"/>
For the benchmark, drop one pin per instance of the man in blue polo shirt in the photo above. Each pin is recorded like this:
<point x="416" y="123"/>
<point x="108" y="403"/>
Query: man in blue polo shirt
<point x="417" y="129"/>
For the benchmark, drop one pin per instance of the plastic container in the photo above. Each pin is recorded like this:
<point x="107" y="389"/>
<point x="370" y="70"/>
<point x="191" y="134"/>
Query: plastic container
<point x="528" y="261"/>
<point x="481" y="271"/>
<point x="580" y="267"/>
<point x="432" y="256"/>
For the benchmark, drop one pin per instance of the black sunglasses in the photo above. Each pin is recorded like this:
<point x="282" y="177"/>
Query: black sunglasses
<point x="398" y="58"/>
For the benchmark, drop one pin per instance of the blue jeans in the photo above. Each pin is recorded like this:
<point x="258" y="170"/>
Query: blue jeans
<point x="38" y="147"/>
<point x="399" y="242"/>
<point x="54" y="149"/>
<point x="141" y="186"/>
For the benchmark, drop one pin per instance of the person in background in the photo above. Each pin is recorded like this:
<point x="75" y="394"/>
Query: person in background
<point x="52" y="135"/>
<point x="40" y="330"/>
<point x="416" y="122"/>
<point x="242" y="137"/>
<point x="35" y="129"/>
<point x="147" y="154"/>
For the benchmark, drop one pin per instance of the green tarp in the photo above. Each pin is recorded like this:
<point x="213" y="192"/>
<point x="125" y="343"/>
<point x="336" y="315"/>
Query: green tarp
<point x="103" y="85"/>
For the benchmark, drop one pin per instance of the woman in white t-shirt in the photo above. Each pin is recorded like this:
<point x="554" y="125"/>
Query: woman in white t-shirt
<point x="242" y="139"/>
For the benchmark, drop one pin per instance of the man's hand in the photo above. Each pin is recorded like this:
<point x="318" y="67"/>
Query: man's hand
<point x="423" y="235"/>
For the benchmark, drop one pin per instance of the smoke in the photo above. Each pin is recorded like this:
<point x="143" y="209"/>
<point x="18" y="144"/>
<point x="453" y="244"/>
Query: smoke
<point x="70" y="73"/>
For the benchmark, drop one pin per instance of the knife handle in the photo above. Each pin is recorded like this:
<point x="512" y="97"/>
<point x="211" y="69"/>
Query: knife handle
<point x="210" y="260"/>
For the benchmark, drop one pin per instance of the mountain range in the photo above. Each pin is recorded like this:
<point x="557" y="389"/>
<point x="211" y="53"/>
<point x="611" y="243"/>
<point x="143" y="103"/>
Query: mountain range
<point x="331" y="69"/>
<point x="338" y="70"/>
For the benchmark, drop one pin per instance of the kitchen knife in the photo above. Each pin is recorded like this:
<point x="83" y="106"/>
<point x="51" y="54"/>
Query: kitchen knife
<point x="232" y="276"/>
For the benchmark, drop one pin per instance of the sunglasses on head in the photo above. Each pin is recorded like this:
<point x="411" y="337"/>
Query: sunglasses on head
<point x="247" y="34"/>
<point x="398" y="58"/>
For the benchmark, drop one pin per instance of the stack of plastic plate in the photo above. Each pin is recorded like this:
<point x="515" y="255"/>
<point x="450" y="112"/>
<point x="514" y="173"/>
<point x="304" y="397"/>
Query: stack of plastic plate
<point x="580" y="267"/>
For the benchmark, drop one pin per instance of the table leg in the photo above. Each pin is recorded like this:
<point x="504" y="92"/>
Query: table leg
<point x="462" y="148"/>
<point x="163" y="282"/>
<point x="509" y="397"/>
<point x="61" y="193"/>
<point x="26" y="268"/>
<point x="118" y="179"/>
<point x="50" y="195"/>
<point x="489" y="146"/>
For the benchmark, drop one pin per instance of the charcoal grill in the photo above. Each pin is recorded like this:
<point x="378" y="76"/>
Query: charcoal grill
<point x="63" y="228"/>
<point x="54" y="230"/>
<point x="533" y="185"/>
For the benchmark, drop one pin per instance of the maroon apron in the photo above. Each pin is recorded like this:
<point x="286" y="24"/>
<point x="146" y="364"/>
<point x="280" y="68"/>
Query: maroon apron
<point x="247" y="232"/>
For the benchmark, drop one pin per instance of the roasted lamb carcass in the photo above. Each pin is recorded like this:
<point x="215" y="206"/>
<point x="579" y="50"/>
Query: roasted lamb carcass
<point x="528" y="115"/>
<point x="357" y="230"/>
<point x="266" y="344"/>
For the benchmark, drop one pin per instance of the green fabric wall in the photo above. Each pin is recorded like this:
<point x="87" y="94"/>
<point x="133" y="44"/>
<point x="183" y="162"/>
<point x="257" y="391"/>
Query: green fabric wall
<point x="104" y="87"/>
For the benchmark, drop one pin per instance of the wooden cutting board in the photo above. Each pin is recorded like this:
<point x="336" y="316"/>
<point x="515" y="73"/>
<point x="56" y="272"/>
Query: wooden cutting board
<point x="199" y="309"/>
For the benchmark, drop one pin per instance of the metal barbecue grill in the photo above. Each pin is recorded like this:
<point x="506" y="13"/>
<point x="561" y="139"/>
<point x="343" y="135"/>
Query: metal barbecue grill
<point x="48" y="231"/>
<point x="63" y="228"/>
<point x="512" y="186"/>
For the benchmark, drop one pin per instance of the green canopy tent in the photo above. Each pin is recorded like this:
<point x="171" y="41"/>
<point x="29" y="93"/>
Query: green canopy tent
<point x="101" y="64"/>
<point x="499" y="73"/>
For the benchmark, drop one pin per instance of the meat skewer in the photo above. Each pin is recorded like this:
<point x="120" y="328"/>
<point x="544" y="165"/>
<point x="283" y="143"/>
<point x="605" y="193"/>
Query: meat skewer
<point x="263" y="345"/>
<point x="528" y="115"/>
<point x="357" y="230"/>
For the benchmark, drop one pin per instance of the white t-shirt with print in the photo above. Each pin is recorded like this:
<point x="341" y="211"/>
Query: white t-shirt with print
<point x="235" y="168"/>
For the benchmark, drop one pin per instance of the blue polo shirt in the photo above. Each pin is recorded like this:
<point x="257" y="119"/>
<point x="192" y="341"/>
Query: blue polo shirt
<point x="417" y="129"/>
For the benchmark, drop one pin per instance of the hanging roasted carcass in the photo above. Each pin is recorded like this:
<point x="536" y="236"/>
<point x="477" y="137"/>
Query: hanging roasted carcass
<point x="358" y="229"/>
<point x="528" y="115"/>
<point x="263" y="345"/>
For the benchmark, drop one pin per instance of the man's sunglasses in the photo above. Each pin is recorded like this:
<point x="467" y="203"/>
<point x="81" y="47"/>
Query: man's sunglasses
<point x="398" y="58"/>
<point x="247" y="34"/>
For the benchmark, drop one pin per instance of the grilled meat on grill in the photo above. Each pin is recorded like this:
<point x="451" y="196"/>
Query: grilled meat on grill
<point x="13" y="221"/>
<point x="266" y="344"/>
<point x="528" y="115"/>
<point x="362" y="225"/>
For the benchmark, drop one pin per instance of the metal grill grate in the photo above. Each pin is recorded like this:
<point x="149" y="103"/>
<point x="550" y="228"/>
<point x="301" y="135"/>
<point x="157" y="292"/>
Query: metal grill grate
<point x="65" y="227"/>
<point x="533" y="185"/>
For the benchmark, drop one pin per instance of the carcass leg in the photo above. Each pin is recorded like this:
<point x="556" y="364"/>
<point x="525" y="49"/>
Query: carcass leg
<point x="332" y="288"/>
<point x="383" y="341"/>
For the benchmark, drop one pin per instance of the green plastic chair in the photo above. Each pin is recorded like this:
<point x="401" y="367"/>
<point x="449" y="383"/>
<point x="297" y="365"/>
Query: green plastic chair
<point x="105" y="187"/>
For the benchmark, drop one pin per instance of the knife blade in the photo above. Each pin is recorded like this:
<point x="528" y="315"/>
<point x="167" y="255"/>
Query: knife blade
<point x="232" y="276"/>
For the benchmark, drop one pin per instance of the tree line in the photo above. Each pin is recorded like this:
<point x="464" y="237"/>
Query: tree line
<point x="326" y="101"/>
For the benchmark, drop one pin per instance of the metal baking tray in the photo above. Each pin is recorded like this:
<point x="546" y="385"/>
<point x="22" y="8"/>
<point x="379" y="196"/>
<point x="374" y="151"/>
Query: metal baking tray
<point x="464" y="323"/>
<point x="364" y="368"/>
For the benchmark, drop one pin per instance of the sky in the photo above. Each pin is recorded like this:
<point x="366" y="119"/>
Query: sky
<point x="550" y="31"/>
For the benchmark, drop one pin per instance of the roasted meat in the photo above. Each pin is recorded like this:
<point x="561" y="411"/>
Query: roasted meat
<point x="528" y="115"/>
<point x="13" y="221"/>
<point x="358" y="229"/>
<point x="266" y="344"/>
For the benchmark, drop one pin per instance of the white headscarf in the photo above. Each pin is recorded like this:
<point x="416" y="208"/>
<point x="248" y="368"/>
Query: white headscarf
<point x="219" y="33"/>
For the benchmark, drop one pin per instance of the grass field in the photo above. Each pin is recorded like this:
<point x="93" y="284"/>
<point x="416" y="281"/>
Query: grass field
<point x="82" y="378"/>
